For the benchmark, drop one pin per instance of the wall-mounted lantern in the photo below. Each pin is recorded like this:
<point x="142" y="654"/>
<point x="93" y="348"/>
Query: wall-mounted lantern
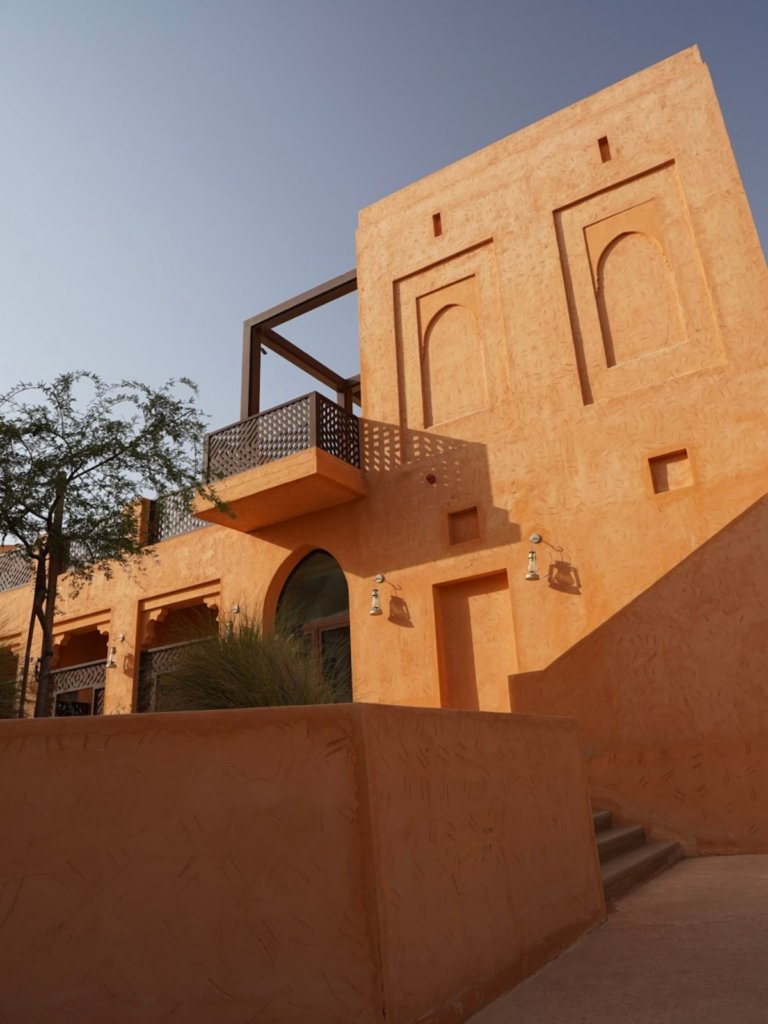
<point x="376" y="596"/>
<point x="533" y="573"/>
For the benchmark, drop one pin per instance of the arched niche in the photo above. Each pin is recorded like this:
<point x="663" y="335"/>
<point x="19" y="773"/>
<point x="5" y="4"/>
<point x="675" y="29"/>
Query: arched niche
<point x="453" y="375"/>
<point x="176" y="625"/>
<point x="167" y="631"/>
<point x="78" y="677"/>
<point x="637" y="298"/>
<point x="314" y="604"/>
<point x="80" y="648"/>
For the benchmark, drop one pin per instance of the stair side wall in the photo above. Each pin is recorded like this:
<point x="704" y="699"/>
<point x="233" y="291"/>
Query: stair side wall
<point x="671" y="698"/>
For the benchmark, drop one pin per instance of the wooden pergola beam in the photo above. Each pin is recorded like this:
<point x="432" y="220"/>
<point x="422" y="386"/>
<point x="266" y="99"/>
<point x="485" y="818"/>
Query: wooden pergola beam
<point x="259" y="332"/>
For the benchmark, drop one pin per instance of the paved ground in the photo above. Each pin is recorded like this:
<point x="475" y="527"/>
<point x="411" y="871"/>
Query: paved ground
<point x="688" y="947"/>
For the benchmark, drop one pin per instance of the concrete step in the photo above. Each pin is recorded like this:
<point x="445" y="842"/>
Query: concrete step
<point x="623" y="872"/>
<point x="613" y="841"/>
<point x="601" y="820"/>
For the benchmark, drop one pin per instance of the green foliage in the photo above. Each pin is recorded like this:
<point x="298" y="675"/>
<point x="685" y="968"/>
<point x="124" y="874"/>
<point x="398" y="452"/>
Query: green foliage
<point x="238" y="665"/>
<point x="75" y="456"/>
<point x="94" y="447"/>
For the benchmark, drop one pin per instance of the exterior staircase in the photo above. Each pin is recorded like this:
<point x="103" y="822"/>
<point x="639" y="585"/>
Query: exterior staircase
<point x="626" y="857"/>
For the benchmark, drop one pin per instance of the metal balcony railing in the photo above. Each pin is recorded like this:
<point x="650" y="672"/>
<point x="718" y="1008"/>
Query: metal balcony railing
<point x="153" y="665"/>
<point x="91" y="676"/>
<point x="311" y="421"/>
<point x="169" y="517"/>
<point x="15" y="569"/>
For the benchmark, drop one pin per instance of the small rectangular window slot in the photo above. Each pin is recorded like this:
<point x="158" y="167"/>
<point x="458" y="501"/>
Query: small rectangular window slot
<point x="671" y="472"/>
<point x="463" y="525"/>
<point x="437" y="224"/>
<point x="605" y="149"/>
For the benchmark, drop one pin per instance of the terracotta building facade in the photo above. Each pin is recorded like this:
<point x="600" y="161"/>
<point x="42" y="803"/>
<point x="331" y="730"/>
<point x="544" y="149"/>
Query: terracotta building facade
<point x="548" y="479"/>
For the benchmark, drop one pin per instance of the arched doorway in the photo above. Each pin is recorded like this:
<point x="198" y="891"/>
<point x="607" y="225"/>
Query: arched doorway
<point x="314" y="604"/>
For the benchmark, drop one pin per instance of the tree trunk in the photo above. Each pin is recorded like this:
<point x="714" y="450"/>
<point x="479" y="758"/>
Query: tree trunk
<point x="36" y="601"/>
<point x="47" y="610"/>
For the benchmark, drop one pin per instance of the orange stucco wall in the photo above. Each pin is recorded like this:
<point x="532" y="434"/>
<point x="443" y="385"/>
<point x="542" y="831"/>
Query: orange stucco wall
<point x="672" y="703"/>
<point x="557" y="441"/>
<point x="577" y="349"/>
<point x="310" y="865"/>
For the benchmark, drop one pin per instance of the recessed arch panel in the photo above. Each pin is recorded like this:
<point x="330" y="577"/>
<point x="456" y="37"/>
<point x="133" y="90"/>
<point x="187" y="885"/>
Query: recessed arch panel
<point x="639" y="303"/>
<point x="453" y="377"/>
<point x="637" y="299"/>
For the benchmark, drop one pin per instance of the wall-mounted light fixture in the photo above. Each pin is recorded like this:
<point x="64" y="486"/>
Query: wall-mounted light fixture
<point x="532" y="573"/>
<point x="112" y="659"/>
<point x="375" y="596"/>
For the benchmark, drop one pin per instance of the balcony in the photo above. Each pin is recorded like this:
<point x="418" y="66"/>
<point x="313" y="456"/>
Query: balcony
<point x="300" y="457"/>
<point x="78" y="690"/>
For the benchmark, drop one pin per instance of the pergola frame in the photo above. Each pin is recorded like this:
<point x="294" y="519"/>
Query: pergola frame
<point x="259" y="333"/>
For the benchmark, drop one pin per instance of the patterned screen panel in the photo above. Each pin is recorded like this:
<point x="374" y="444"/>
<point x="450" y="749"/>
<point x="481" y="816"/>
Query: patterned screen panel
<point x="307" y="422"/>
<point x="169" y="517"/>
<point x="15" y="570"/>
<point x="88" y="677"/>
<point x="153" y="665"/>
<point x="338" y="431"/>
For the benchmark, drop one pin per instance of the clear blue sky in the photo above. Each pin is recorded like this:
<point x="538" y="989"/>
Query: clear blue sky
<point x="171" y="167"/>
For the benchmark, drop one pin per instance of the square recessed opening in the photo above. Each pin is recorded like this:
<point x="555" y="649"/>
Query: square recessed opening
<point x="463" y="525"/>
<point x="671" y="471"/>
<point x="605" y="149"/>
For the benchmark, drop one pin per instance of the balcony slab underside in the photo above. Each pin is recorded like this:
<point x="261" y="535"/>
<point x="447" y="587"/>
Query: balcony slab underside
<point x="307" y="481"/>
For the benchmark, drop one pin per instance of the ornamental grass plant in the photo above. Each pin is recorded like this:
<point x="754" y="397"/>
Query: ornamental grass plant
<point x="237" y="664"/>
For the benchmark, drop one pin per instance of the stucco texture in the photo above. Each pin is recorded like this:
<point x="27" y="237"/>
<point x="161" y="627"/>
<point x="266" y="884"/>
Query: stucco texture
<point x="671" y="695"/>
<point x="327" y="864"/>
<point x="521" y="370"/>
<point x="563" y="334"/>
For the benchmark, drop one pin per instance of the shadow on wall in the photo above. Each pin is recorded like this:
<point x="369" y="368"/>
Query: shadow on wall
<point x="433" y="496"/>
<point x="671" y="696"/>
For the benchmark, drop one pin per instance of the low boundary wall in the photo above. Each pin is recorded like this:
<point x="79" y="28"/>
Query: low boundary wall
<point x="340" y="863"/>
